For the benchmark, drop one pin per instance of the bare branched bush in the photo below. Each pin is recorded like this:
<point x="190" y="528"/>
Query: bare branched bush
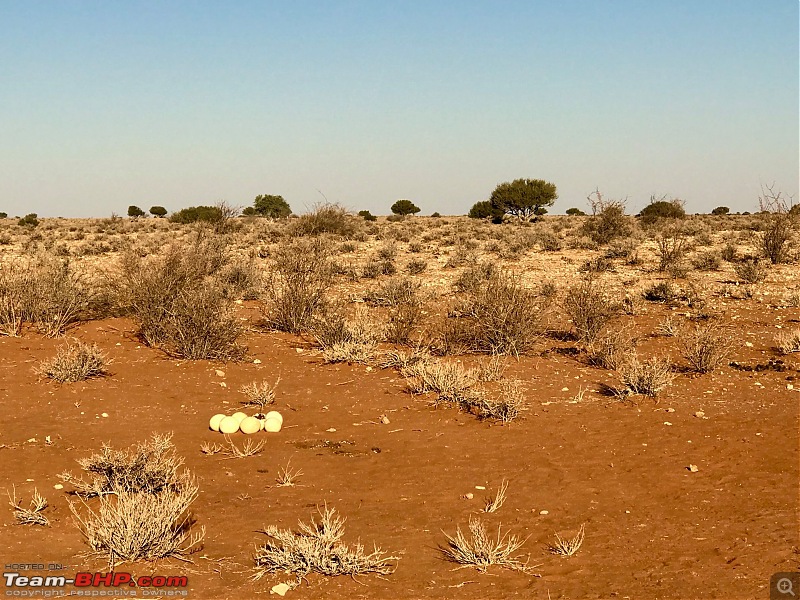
<point x="179" y="303"/>
<point x="496" y="503"/>
<point x="608" y="221"/>
<point x="29" y="515"/>
<point x="647" y="378"/>
<point x="75" y="362"/>
<point x="260" y="394"/>
<point x="789" y="341"/>
<point x="296" y="290"/>
<point x="570" y="546"/>
<point x="148" y="467"/>
<point x="481" y="551"/>
<point x="317" y="547"/>
<point x="751" y="271"/>
<point x="779" y="222"/>
<point x="590" y="309"/>
<point x="611" y="349"/>
<point x="706" y="348"/>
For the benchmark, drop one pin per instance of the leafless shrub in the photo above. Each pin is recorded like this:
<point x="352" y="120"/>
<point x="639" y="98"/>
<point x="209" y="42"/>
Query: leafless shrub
<point x="481" y="551"/>
<point x="706" y="348"/>
<point x="287" y="476"/>
<point x="492" y="369"/>
<point x="589" y="308"/>
<point x="75" y="362"/>
<point x="318" y="548"/>
<point x="31" y="515"/>
<point x="296" y="291"/>
<point x="570" y="546"/>
<point x="505" y="407"/>
<point x="608" y="221"/>
<point x="751" y="271"/>
<point x="496" y="503"/>
<point x="647" y="378"/>
<point x="260" y="394"/>
<point x="149" y="467"/>
<point x="131" y="526"/>
<point x="393" y="292"/>
<point x="671" y="247"/>
<point x="249" y="448"/>
<point x="611" y="349"/>
<point x="780" y="223"/>
<point x="789" y="341"/>
<point x="210" y="449"/>
<point x="347" y="340"/>
<point x="667" y="327"/>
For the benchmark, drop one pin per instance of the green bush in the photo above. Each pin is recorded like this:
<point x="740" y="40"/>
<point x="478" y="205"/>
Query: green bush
<point x="29" y="220"/>
<point x="575" y="212"/>
<point x="721" y="210"/>
<point x="194" y="214"/>
<point x="367" y="216"/>
<point x="158" y="211"/>
<point x="274" y="207"/>
<point x="661" y="209"/>
<point x="135" y="211"/>
<point x="405" y="207"/>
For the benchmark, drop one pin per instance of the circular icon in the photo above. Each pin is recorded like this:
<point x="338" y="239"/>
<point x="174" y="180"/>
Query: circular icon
<point x="784" y="586"/>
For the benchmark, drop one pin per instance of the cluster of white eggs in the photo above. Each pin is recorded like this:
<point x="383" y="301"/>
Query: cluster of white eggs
<point x="271" y="422"/>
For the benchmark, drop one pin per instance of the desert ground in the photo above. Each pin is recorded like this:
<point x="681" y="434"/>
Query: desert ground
<point x="540" y="380"/>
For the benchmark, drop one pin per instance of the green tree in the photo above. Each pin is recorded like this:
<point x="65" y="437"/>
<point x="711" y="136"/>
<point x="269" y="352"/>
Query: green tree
<point x="524" y="198"/>
<point x="158" y="211"/>
<point x="3" y="215"/>
<point x="575" y="212"/>
<point x="405" y="207"/>
<point x="192" y="214"/>
<point x="135" y="211"/>
<point x="271" y="206"/>
<point x="367" y="216"/>
<point x="485" y="210"/>
<point x="249" y="211"/>
<point x="662" y="209"/>
<point x="29" y="220"/>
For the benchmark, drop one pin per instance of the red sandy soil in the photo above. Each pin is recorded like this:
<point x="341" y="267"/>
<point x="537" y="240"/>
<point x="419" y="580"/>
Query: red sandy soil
<point x="653" y="528"/>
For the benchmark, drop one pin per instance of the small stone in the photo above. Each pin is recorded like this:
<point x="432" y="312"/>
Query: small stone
<point x="331" y="430"/>
<point x="749" y="344"/>
<point x="32" y="441"/>
<point x="104" y="415"/>
<point x="280" y="589"/>
<point x="257" y="361"/>
<point x="693" y="468"/>
<point x="670" y="410"/>
<point x="565" y="389"/>
<point x="58" y="486"/>
<point x="667" y="423"/>
<point x="298" y="350"/>
<point x="480" y="487"/>
<point x="219" y="373"/>
<point x="544" y="512"/>
<point x="469" y="496"/>
<point x="238" y="302"/>
<point x="369" y="369"/>
<point x="700" y="414"/>
<point x="223" y="384"/>
<point x="385" y="420"/>
<point x="789" y="386"/>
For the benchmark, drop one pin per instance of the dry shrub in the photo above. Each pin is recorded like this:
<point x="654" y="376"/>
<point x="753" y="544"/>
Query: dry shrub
<point x="75" y="362"/>
<point x="149" y="467"/>
<point x="44" y="290"/>
<point x="506" y="407"/>
<point x="590" y="309"/>
<point x="611" y="349"/>
<point x="260" y="394"/>
<point x="647" y="378"/>
<point x="327" y="218"/>
<point x="789" y="341"/>
<point x="481" y="551"/>
<point x="296" y="290"/>
<point x="347" y="340"/>
<point x="32" y="514"/>
<point x="706" y="348"/>
<point x="608" y="221"/>
<point x="671" y="247"/>
<point x="317" y="547"/>
<point x="449" y="381"/>
<point x="663" y="291"/>
<point x="393" y="292"/>
<point x="179" y="302"/>
<point x="751" y="270"/>
<point x="499" y="317"/>
<point x="142" y="509"/>
<point x="403" y="321"/>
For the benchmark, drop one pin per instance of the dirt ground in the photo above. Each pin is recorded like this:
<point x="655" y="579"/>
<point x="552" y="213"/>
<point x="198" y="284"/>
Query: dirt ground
<point x="653" y="528"/>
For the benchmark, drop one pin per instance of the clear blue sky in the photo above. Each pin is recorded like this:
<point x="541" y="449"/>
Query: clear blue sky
<point x="110" y="103"/>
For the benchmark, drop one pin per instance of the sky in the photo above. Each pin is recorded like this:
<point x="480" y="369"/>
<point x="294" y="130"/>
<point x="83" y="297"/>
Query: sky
<point x="111" y="103"/>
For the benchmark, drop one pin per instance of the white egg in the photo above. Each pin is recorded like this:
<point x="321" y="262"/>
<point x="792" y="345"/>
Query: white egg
<point x="239" y="416"/>
<point x="250" y="425"/>
<point x="214" y="422"/>
<point x="229" y="425"/>
<point x="272" y="425"/>
<point x="274" y="414"/>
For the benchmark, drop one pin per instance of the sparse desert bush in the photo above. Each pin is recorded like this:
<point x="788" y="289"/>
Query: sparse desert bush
<point x="779" y="224"/>
<point x="326" y="218"/>
<point x="501" y="316"/>
<point x="403" y="321"/>
<point x="705" y="348"/>
<point x="142" y="509"/>
<point x="660" y="209"/>
<point x="417" y="266"/>
<point x="260" y="394"/>
<point x="75" y="362"/>
<point x="569" y="546"/>
<point x="663" y="291"/>
<point x="729" y="253"/>
<point x="671" y="247"/>
<point x="179" y="302"/>
<point x="608" y="221"/>
<point x="32" y="514"/>
<point x="347" y="340"/>
<point x="647" y="378"/>
<point x="481" y="551"/>
<point x="507" y="406"/>
<point x="611" y="349"/>
<point x="296" y="290"/>
<point x="707" y="261"/>
<point x="789" y="341"/>
<point x="393" y="292"/>
<point x="317" y="547"/>
<point x="451" y="382"/>
<point x="751" y="271"/>
<point x="590" y="309"/>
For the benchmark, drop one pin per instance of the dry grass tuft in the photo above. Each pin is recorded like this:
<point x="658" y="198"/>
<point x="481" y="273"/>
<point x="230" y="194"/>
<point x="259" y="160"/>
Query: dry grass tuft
<point x="611" y="349"/>
<point x="29" y="515"/>
<point x="481" y="551"/>
<point x="75" y="362"/>
<point x="496" y="503"/>
<point x="287" y="476"/>
<point x="789" y="341"/>
<point x="570" y="546"/>
<point x="317" y="547"/>
<point x="706" y="348"/>
<point x="347" y="340"/>
<point x="260" y="394"/>
<point x="249" y="448"/>
<point x="647" y="378"/>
